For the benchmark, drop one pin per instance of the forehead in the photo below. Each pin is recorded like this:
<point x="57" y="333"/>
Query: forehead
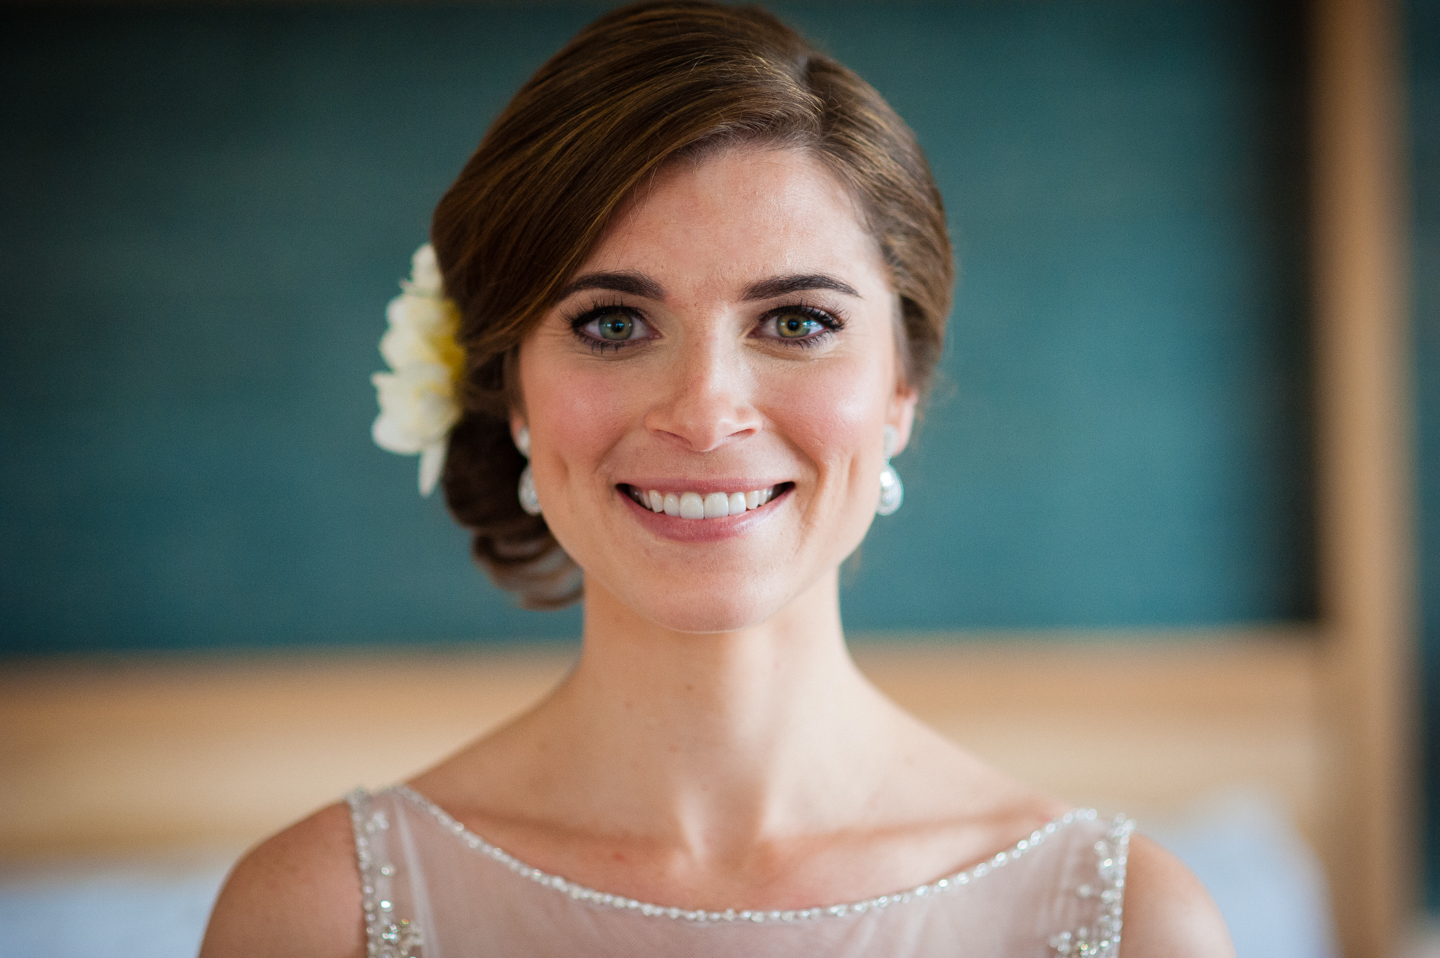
<point x="737" y="214"/>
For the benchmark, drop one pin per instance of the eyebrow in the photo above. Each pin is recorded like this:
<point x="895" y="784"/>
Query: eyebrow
<point x="638" y="284"/>
<point x="785" y="285"/>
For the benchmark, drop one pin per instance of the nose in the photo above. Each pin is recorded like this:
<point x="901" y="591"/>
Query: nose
<point x="707" y="400"/>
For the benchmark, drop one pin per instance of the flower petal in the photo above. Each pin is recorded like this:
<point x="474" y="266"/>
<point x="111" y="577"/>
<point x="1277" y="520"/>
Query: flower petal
<point x="432" y="463"/>
<point x="433" y="416"/>
<point x="416" y="407"/>
<point x="392" y="437"/>
<point x="403" y="345"/>
<point x="425" y="271"/>
<point x="428" y="314"/>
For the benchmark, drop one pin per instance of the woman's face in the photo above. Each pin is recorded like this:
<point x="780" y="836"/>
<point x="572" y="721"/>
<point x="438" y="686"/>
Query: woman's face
<point x="731" y="340"/>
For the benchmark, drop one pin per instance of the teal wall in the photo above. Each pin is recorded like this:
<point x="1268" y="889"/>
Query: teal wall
<point x="205" y="209"/>
<point x="1423" y="95"/>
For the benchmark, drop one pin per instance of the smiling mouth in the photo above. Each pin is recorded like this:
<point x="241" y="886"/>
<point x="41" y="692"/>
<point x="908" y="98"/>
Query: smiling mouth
<point x="695" y="505"/>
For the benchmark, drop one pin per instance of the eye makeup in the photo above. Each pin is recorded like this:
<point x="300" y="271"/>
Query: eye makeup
<point x="609" y="327"/>
<point x="612" y="326"/>
<point x="799" y="324"/>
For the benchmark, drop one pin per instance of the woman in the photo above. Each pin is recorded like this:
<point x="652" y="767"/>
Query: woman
<point x="701" y="276"/>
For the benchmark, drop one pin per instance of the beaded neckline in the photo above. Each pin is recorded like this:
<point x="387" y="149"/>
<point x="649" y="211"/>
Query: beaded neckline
<point x="579" y="892"/>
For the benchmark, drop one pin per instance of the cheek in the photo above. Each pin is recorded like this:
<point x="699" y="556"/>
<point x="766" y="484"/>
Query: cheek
<point x="575" y="413"/>
<point x="834" y="414"/>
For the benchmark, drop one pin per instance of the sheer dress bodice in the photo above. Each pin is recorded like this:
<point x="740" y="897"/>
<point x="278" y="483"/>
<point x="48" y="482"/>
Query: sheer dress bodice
<point x="433" y="889"/>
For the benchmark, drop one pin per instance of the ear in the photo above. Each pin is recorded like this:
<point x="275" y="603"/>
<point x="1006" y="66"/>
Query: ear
<point x="901" y="414"/>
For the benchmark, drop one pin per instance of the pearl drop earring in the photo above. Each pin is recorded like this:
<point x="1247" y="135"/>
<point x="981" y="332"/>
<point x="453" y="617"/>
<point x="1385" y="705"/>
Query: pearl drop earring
<point x="892" y="491"/>
<point x="529" y="498"/>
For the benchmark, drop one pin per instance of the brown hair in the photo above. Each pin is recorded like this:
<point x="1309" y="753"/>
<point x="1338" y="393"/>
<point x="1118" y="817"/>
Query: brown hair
<point x="637" y="88"/>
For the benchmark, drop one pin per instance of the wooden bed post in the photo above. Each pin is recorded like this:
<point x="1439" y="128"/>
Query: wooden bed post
<point x="1364" y="465"/>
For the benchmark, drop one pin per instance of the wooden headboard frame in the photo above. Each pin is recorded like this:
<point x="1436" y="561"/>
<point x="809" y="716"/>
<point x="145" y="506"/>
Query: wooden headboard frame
<point x="1364" y="463"/>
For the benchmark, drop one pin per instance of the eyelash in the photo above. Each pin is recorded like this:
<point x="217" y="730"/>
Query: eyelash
<point x="594" y="311"/>
<point x="830" y="320"/>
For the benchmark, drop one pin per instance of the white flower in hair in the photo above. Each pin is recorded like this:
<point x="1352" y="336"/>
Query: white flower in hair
<point x="418" y="402"/>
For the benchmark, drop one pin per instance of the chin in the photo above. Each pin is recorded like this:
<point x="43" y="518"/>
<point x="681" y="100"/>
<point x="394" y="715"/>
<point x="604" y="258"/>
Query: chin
<point x="703" y="611"/>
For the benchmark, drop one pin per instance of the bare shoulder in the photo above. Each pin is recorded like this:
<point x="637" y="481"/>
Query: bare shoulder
<point x="297" y="893"/>
<point x="1167" y="911"/>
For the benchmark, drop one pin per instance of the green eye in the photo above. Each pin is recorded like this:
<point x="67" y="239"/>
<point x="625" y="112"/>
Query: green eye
<point x="616" y="327"/>
<point x="611" y="327"/>
<point x="795" y="326"/>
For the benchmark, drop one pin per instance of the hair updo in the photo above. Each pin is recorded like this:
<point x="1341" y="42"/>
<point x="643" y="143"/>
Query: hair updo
<point x="636" y="89"/>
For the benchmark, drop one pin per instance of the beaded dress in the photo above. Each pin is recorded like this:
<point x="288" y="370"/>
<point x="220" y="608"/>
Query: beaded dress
<point x="433" y="889"/>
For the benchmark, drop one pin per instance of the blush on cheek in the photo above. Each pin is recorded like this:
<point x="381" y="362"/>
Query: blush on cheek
<point x="586" y="416"/>
<point x="576" y="411"/>
<point x="842" y="409"/>
<point x="571" y="412"/>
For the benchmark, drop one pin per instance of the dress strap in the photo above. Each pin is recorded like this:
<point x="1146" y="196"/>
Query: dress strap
<point x="385" y="935"/>
<point x="1101" y="937"/>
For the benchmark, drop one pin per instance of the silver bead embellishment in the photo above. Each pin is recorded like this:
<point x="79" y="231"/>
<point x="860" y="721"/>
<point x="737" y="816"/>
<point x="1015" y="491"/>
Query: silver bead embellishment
<point x="892" y="491"/>
<point x="1101" y="939"/>
<point x="529" y="498"/>
<point x="386" y="935"/>
<point x="596" y="898"/>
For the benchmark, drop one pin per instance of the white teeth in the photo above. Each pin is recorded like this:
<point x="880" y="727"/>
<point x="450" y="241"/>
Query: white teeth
<point x="715" y="505"/>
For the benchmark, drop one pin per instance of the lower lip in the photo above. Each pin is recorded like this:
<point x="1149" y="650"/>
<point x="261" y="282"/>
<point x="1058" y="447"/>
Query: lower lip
<point x="702" y="530"/>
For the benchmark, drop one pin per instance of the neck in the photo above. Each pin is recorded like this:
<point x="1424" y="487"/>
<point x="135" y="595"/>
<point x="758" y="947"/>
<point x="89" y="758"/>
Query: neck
<point x="712" y="739"/>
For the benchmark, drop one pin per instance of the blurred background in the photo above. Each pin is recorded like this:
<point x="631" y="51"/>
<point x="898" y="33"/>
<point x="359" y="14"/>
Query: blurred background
<point x="222" y="606"/>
